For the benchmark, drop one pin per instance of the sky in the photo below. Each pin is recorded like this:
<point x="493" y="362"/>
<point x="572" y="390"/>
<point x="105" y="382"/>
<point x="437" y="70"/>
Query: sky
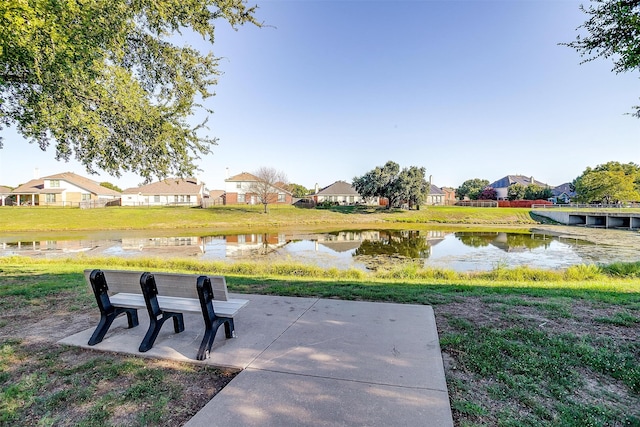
<point x="327" y="90"/>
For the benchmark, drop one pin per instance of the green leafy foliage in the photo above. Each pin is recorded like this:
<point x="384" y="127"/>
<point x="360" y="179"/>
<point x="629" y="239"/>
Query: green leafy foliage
<point x="298" y="190"/>
<point x="516" y="191"/>
<point x="537" y="192"/>
<point x="388" y="181"/>
<point x="611" y="182"/>
<point x="471" y="188"/>
<point x="106" y="82"/>
<point x="111" y="186"/>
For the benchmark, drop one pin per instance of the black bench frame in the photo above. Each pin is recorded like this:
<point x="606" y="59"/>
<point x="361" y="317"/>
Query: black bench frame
<point x="157" y="316"/>
<point x="108" y="311"/>
<point x="211" y="320"/>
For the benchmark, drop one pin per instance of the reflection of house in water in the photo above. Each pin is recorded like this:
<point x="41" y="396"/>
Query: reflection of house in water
<point x="191" y="245"/>
<point x="64" y="246"/>
<point x="512" y="242"/>
<point x="251" y="244"/>
<point x="345" y="241"/>
<point x="434" y="236"/>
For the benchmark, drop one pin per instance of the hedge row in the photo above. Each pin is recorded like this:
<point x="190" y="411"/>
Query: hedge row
<point x="521" y="203"/>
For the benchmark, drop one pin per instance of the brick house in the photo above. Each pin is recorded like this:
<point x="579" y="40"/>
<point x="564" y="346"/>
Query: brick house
<point x="240" y="190"/>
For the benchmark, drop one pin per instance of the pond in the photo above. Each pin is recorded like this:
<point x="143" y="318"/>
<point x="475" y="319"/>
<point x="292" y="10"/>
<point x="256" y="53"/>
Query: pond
<point x="344" y="249"/>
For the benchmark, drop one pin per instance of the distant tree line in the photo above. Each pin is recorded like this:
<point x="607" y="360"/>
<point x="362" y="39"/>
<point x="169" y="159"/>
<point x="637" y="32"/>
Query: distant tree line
<point x="608" y="183"/>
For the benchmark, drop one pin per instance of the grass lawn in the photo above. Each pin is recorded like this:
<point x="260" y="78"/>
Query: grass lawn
<point x="225" y="218"/>
<point x="521" y="347"/>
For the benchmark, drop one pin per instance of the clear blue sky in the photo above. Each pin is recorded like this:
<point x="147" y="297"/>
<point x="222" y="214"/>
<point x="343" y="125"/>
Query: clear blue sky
<point x="468" y="89"/>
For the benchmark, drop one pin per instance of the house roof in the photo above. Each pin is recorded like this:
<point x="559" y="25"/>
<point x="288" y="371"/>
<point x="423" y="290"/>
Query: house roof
<point x="341" y="188"/>
<point x="244" y="177"/>
<point x="36" y="186"/>
<point x="563" y="188"/>
<point x="247" y="177"/>
<point x="33" y="186"/>
<point x="214" y="194"/>
<point x="436" y="191"/>
<point x="4" y="190"/>
<point x="516" y="179"/>
<point x="168" y="186"/>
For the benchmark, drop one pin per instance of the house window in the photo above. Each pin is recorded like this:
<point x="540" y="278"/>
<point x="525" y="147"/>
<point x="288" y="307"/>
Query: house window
<point x="352" y="199"/>
<point x="54" y="183"/>
<point x="241" y="198"/>
<point x="50" y="198"/>
<point x="86" y="197"/>
<point x="156" y="199"/>
<point x="187" y="198"/>
<point x="281" y="198"/>
<point x="239" y="185"/>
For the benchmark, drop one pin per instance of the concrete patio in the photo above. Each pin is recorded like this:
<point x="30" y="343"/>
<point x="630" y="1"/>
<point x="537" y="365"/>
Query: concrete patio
<point x="311" y="362"/>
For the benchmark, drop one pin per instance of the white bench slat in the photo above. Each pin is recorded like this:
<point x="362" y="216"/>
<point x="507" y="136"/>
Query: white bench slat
<point x="227" y="308"/>
<point x="169" y="284"/>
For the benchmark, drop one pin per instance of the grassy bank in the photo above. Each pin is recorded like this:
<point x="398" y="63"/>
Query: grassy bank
<point x="225" y="218"/>
<point x="521" y="347"/>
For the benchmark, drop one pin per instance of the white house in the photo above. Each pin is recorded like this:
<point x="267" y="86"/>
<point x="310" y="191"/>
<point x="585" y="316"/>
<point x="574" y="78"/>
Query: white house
<point x="341" y="193"/>
<point x="171" y="191"/>
<point x="5" y="194"/>
<point x="436" y="196"/>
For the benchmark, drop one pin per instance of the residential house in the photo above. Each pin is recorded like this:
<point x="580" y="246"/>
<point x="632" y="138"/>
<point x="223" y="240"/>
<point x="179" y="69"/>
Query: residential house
<point x="240" y="189"/>
<point x="502" y="185"/>
<point x="5" y="196"/>
<point x="449" y="195"/>
<point x="341" y="193"/>
<point x="436" y="196"/>
<point x="216" y="197"/>
<point x="563" y="193"/>
<point x="171" y="191"/>
<point x="63" y="189"/>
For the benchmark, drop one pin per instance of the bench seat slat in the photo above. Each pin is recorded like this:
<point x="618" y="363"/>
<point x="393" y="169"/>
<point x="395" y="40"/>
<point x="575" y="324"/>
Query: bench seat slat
<point x="227" y="308"/>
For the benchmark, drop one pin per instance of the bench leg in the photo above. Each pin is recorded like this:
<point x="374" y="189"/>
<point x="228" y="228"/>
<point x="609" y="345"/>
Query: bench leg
<point x="229" y="328"/>
<point x="106" y="319"/>
<point x="156" y="324"/>
<point x="211" y="328"/>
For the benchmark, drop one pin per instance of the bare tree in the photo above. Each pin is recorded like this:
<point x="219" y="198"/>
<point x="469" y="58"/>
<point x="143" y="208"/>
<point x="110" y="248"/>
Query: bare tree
<point x="269" y="185"/>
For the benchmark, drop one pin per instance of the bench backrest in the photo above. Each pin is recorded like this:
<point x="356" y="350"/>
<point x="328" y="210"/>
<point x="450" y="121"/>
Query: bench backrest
<point x="169" y="284"/>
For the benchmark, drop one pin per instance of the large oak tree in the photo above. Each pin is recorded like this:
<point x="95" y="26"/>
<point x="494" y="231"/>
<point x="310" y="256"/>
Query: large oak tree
<point x="471" y="188"/>
<point x="397" y="186"/>
<point x="108" y="82"/>
<point x="610" y="182"/>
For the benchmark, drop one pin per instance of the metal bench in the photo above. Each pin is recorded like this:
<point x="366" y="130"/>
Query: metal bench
<point x="165" y="296"/>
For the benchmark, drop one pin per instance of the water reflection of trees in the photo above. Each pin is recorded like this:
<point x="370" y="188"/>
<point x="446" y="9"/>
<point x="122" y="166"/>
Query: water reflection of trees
<point x="508" y="242"/>
<point x="409" y="244"/>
